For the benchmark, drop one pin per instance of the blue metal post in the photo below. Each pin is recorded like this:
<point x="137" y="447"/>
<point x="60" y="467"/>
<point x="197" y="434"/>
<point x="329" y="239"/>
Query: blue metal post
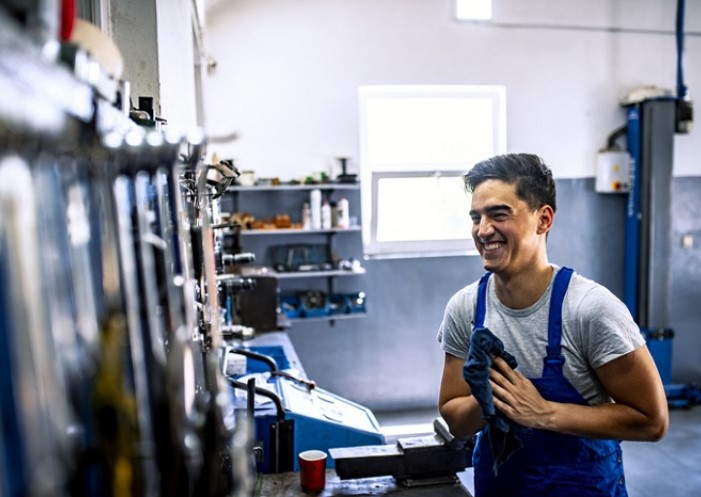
<point x="632" y="223"/>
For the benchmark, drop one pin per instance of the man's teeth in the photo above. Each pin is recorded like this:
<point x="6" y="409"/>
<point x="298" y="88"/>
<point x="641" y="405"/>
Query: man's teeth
<point x="492" y="245"/>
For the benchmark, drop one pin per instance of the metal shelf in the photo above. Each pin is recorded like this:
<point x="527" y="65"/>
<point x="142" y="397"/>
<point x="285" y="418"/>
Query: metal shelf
<point x="320" y="186"/>
<point x="295" y="231"/>
<point x="267" y="197"/>
<point x="334" y="317"/>
<point x="319" y="274"/>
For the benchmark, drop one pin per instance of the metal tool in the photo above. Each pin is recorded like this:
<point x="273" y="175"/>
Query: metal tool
<point x="113" y="391"/>
<point x="137" y="335"/>
<point x="223" y="438"/>
<point x="32" y="391"/>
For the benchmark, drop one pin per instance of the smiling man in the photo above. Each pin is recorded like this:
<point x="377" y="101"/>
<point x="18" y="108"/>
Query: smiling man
<point x="584" y="380"/>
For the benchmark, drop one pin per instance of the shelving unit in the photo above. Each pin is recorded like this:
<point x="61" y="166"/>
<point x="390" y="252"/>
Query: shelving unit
<point x="293" y="231"/>
<point x="319" y="274"/>
<point x="319" y="186"/>
<point x="264" y="202"/>
<point x="336" y="317"/>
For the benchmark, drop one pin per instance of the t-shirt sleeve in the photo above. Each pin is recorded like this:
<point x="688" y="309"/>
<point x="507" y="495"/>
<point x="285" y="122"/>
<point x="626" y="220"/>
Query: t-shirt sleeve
<point x="608" y="329"/>
<point x="454" y="331"/>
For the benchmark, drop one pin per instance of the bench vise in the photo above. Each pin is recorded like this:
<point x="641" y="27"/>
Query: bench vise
<point x="412" y="461"/>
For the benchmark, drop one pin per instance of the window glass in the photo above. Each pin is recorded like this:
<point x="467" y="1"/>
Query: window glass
<point x="411" y="208"/>
<point x="415" y="144"/>
<point x="473" y="10"/>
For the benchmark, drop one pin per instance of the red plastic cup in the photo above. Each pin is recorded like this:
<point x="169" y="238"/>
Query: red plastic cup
<point x="312" y="470"/>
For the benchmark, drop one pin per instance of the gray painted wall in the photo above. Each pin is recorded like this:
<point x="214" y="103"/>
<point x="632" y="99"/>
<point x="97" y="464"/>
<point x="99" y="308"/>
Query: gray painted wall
<point x="156" y="41"/>
<point x="686" y="280"/>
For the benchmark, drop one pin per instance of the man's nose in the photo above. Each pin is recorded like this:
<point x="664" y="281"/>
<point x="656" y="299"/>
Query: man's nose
<point x="485" y="229"/>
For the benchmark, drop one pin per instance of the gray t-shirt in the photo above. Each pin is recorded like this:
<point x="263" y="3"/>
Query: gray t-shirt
<point x="596" y="329"/>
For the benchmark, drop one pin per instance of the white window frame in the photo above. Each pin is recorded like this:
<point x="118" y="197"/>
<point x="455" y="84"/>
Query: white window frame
<point x="376" y="167"/>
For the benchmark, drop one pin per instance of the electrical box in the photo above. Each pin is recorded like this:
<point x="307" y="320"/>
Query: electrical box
<point x="613" y="172"/>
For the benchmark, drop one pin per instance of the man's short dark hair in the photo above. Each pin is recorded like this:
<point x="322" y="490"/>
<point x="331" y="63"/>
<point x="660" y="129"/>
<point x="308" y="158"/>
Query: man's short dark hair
<point x="532" y="178"/>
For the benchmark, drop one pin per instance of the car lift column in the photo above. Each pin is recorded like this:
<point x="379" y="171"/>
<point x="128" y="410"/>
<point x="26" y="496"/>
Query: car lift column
<point x="651" y="127"/>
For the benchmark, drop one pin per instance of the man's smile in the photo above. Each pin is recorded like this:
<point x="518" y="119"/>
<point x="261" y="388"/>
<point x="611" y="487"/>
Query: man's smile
<point x="491" y="246"/>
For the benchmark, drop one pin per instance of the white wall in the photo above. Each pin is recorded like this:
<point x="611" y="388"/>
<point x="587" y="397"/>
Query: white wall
<point x="133" y="25"/>
<point x="288" y="72"/>
<point x="156" y="42"/>
<point x="176" y="59"/>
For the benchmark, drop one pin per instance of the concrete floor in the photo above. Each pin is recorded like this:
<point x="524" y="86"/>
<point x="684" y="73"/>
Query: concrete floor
<point x="669" y="468"/>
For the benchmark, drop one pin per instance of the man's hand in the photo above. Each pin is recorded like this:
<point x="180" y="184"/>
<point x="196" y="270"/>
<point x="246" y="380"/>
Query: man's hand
<point x="516" y="396"/>
<point x="639" y="410"/>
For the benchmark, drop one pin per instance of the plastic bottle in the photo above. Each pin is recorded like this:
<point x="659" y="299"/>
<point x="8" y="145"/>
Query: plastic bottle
<point x="306" y="216"/>
<point x="325" y="215"/>
<point x="342" y="214"/>
<point x="315" y="206"/>
<point x="334" y="215"/>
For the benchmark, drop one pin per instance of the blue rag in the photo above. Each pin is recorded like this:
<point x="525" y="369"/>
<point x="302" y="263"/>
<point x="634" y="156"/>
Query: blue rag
<point x="502" y="437"/>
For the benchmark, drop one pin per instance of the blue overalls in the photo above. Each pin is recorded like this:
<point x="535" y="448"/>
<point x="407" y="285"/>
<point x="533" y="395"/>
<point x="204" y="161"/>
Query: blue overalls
<point x="549" y="464"/>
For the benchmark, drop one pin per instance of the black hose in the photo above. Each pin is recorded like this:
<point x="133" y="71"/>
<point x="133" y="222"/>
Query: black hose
<point x="615" y="135"/>
<point x="258" y="357"/>
<point x="681" y="88"/>
<point x="265" y="393"/>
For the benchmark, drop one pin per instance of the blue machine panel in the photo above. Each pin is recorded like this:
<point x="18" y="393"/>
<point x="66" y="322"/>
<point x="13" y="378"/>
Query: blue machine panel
<point x="322" y="421"/>
<point x="274" y="351"/>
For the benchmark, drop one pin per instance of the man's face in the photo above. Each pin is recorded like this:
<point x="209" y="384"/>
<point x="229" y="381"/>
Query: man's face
<point x="509" y="236"/>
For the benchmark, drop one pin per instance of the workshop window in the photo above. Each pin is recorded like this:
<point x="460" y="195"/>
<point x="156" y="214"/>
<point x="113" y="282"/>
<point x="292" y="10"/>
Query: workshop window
<point x="415" y="144"/>
<point x="473" y="10"/>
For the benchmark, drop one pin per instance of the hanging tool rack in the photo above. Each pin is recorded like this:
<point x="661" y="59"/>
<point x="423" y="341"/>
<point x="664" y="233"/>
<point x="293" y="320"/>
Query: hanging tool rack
<point x="110" y="380"/>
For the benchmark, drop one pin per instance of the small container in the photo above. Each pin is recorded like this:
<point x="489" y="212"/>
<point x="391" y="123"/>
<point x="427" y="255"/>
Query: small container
<point x="325" y="216"/>
<point x="247" y="178"/>
<point x="315" y="206"/>
<point x="306" y="216"/>
<point x="312" y="470"/>
<point x="334" y="215"/>
<point x="342" y="214"/>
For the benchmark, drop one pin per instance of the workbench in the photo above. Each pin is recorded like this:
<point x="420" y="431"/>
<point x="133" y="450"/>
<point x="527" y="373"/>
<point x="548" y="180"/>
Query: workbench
<point x="287" y="485"/>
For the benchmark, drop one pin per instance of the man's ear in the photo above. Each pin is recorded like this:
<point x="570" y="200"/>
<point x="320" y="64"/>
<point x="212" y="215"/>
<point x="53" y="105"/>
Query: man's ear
<point x="546" y="217"/>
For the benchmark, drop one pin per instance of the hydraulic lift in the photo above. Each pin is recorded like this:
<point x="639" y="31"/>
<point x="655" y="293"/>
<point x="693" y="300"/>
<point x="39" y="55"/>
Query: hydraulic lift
<point x="651" y="125"/>
<point x="653" y="117"/>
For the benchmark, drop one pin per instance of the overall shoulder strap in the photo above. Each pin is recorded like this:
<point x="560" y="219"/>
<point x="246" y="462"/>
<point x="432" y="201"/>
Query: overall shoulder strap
<point x="481" y="309"/>
<point x="554" y="354"/>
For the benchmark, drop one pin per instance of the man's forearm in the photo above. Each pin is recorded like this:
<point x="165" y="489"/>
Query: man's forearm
<point x="639" y="413"/>
<point x="463" y="415"/>
<point x="615" y="421"/>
